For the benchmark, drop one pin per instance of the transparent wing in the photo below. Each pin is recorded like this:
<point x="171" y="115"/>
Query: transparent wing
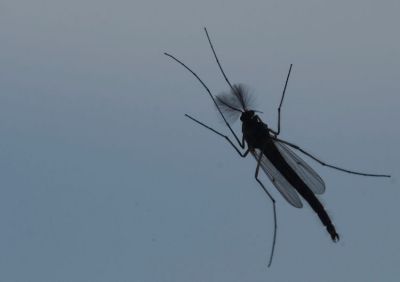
<point x="303" y="170"/>
<point x="280" y="182"/>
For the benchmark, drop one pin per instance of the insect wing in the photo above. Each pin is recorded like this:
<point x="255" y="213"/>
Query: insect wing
<point x="303" y="170"/>
<point x="280" y="182"/>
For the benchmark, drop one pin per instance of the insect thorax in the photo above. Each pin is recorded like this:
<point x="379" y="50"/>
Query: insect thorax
<point x="255" y="132"/>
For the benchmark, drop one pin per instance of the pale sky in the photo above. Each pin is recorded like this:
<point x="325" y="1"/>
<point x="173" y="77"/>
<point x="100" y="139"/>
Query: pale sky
<point x="102" y="178"/>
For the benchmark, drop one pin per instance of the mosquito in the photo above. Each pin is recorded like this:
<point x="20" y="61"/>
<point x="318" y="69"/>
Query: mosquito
<point x="287" y="171"/>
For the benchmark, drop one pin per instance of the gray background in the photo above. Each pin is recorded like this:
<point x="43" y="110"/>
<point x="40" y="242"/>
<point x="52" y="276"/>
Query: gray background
<point x="102" y="178"/>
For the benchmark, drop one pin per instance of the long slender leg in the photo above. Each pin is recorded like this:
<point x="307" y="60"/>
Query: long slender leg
<point x="216" y="58"/>
<point x="256" y="177"/>
<point x="325" y="164"/>
<point x="272" y="199"/>
<point x="209" y="92"/>
<point x="220" y="134"/>
<point x="276" y="133"/>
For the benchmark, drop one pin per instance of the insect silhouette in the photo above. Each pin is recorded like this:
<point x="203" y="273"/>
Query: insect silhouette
<point x="287" y="171"/>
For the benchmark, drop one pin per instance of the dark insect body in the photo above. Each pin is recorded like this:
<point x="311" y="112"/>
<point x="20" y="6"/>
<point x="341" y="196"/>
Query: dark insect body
<point x="287" y="171"/>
